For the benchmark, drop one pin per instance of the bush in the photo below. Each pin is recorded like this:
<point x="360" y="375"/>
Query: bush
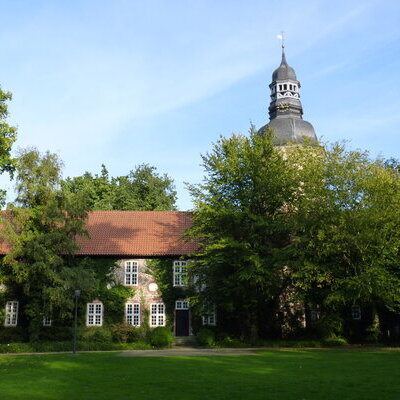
<point x="56" y="333"/>
<point x="329" y="325"/>
<point x="39" y="347"/>
<point x="373" y="333"/>
<point x="95" y="334"/>
<point x="229" y="341"/>
<point x="205" y="337"/>
<point x="334" y="341"/>
<point x="124" y="333"/>
<point x="10" y="335"/>
<point x="161" y="337"/>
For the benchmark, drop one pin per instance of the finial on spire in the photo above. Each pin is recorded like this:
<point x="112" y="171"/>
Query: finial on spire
<point x="281" y="37"/>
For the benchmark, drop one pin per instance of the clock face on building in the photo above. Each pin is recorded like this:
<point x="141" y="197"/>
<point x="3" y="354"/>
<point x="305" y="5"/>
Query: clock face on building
<point x="153" y="287"/>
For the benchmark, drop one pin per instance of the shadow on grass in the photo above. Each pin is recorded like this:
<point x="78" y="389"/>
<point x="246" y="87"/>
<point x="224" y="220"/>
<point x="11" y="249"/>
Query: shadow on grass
<point x="275" y="374"/>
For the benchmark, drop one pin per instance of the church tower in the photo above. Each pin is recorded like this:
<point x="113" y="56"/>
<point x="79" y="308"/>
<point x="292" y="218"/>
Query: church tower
<point x="285" y="109"/>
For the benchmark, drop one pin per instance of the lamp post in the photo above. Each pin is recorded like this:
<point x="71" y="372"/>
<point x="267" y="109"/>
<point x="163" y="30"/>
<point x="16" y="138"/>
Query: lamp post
<point x="77" y="294"/>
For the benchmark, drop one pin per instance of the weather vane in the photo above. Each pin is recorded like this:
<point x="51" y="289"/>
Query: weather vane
<point x="281" y="37"/>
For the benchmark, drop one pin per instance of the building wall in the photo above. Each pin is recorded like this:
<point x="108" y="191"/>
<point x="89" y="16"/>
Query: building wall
<point x="144" y="290"/>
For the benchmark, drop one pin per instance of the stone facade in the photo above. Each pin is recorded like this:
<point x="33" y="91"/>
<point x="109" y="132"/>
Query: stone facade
<point x="146" y="289"/>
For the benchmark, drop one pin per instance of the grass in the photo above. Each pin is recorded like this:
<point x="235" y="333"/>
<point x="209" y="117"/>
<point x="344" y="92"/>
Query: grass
<point x="275" y="374"/>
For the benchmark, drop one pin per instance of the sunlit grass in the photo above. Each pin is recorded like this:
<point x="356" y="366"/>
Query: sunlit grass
<point x="280" y="375"/>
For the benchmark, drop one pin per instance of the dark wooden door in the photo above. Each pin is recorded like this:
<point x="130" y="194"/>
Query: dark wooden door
<point x="181" y="322"/>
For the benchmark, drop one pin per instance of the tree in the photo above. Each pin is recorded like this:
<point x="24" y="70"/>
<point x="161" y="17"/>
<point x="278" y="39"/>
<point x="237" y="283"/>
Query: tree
<point x="142" y="189"/>
<point x="97" y="189"/>
<point x="240" y="220"/>
<point x="346" y="230"/>
<point x="8" y="135"/>
<point x="393" y="163"/>
<point x="41" y="226"/>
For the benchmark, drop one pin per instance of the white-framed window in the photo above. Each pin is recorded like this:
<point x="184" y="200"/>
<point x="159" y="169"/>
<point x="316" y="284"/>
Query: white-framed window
<point x="132" y="314"/>
<point x="11" y="317"/>
<point x="180" y="273"/>
<point x="181" y="305"/>
<point x="314" y="315"/>
<point x="157" y="314"/>
<point x="356" y="312"/>
<point x="94" y="316"/>
<point x="131" y="273"/>
<point x="210" y="319"/>
<point x="210" y="316"/>
<point x="46" y="321"/>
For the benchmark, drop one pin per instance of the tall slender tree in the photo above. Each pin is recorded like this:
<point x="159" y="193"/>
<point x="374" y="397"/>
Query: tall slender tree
<point x="40" y="226"/>
<point x="8" y="135"/>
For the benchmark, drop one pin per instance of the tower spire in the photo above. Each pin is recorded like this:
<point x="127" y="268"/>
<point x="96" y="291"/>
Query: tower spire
<point x="281" y="36"/>
<point x="285" y="109"/>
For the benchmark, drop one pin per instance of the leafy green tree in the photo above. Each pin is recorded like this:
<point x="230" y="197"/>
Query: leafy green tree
<point x="40" y="225"/>
<point x="97" y="189"/>
<point x="240" y="220"/>
<point x="8" y="135"/>
<point x="142" y="189"/>
<point x="346" y="230"/>
<point x="393" y="163"/>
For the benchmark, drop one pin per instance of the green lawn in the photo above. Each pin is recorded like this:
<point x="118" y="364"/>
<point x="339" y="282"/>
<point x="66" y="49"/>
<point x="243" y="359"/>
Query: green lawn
<point x="278" y="374"/>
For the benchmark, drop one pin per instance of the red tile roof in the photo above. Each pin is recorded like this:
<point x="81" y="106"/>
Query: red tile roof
<point x="134" y="233"/>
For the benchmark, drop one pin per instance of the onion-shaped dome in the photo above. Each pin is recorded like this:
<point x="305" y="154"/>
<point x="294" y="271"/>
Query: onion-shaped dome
<point x="285" y="109"/>
<point x="284" y="71"/>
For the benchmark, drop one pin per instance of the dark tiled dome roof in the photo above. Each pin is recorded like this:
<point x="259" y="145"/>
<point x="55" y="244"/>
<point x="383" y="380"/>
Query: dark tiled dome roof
<point x="284" y="71"/>
<point x="291" y="130"/>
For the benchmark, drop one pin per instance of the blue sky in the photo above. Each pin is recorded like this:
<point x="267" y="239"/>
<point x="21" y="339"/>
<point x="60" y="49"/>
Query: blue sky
<point x="130" y="82"/>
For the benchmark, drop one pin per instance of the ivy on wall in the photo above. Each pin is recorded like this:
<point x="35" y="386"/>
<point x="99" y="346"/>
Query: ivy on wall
<point x="162" y="270"/>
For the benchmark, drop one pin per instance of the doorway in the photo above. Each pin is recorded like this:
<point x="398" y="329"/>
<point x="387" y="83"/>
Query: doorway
<point x="182" y="319"/>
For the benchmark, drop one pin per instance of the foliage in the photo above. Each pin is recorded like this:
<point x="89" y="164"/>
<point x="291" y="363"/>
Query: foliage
<point x="162" y="271"/>
<point x="142" y="189"/>
<point x="330" y="324"/>
<point x="334" y="341"/>
<point x="161" y="337"/>
<point x="40" y="226"/>
<point x="96" y="334"/>
<point x="240" y="219"/>
<point x="114" y="300"/>
<point x="8" y="135"/>
<point x="229" y="341"/>
<point x="123" y="333"/>
<point x="11" y="335"/>
<point x="66" y="346"/>
<point x="346" y="238"/>
<point x="205" y="337"/>
<point x="373" y="331"/>
<point x="393" y="163"/>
